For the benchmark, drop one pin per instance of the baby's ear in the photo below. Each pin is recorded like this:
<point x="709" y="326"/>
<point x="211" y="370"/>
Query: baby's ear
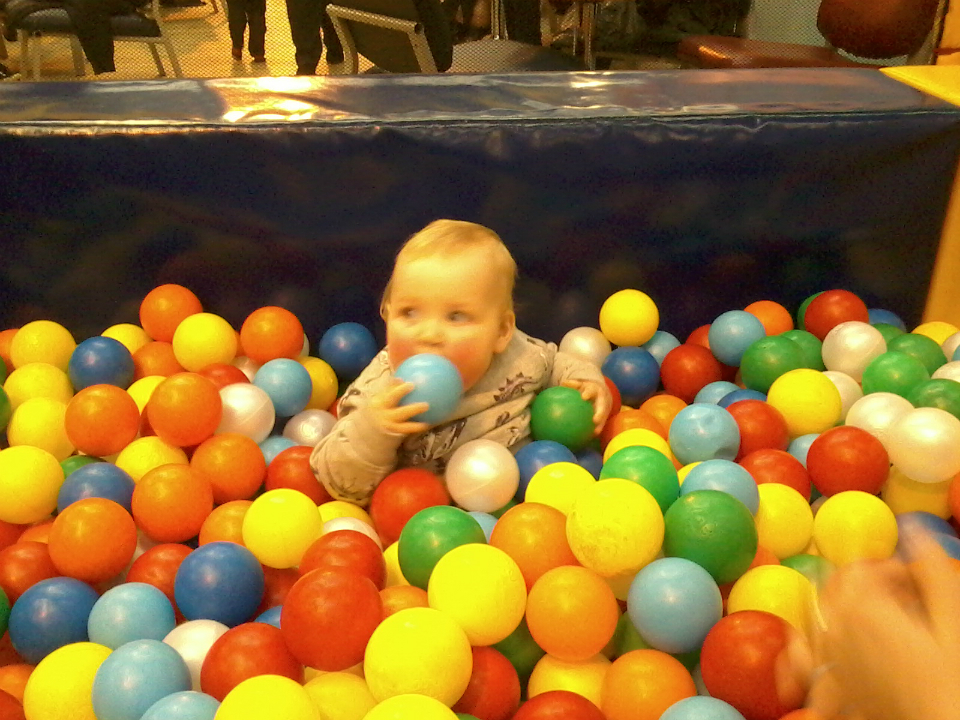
<point x="508" y="323"/>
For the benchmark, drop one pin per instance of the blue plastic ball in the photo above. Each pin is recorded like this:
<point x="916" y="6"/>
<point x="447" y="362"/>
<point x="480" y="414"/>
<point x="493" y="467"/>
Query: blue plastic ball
<point x="924" y="521"/>
<point x="184" y="705"/>
<point x="725" y="476"/>
<point x="538" y="454"/>
<point x="271" y="616"/>
<point x="634" y="371"/>
<point x="274" y="445"/>
<point x="287" y="382"/>
<point x="591" y="460"/>
<point x="486" y="520"/>
<point x="800" y="446"/>
<point x="949" y="543"/>
<point x="49" y="615"/>
<point x="877" y="316"/>
<point x="99" y="479"/>
<point x="128" y="612"/>
<point x="660" y="344"/>
<point x="703" y="432"/>
<point x="100" y="361"/>
<point x="348" y="348"/>
<point x="220" y="581"/>
<point x="673" y="603"/>
<point x="701" y="707"/>
<point x="715" y="391"/>
<point x="732" y="333"/>
<point x="135" y="676"/>
<point x="436" y="382"/>
<point x="740" y="394"/>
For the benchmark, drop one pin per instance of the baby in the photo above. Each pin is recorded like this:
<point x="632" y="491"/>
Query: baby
<point x="451" y="294"/>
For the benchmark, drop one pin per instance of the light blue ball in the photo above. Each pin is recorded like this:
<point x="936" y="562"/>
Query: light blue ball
<point x="274" y="445"/>
<point x="713" y="392"/>
<point x="732" y="333"/>
<point x="187" y="705"/>
<point x="725" y="476"/>
<point x="288" y="384"/>
<point x="128" y="612"/>
<point x="270" y="616"/>
<point x="876" y="316"/>
<point x="660" y="344"/>
<point x="701" y="707"/>
<point x="741" y="394"/>
<point x="486" y="520"/>
<point x="702" y="431"/>
<point x="800" y="446"/>
<point x="135" y="676"/>
<point x="436" y="381"/>
<point x="673" y="603"/>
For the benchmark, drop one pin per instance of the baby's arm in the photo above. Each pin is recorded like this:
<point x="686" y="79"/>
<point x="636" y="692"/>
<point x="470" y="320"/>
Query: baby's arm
<point x="586" y="378"/>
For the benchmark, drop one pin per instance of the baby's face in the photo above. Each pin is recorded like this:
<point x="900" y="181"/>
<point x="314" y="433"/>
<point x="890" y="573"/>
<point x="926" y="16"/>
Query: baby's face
<point x="450" y="306"/>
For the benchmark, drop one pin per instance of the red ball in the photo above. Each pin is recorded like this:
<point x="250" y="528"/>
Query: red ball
<point x="761" y="426"/>
<point x="243" y="652"/>
<point x="291" y="469"/>
<point x="346" y="550"/>
<point x="23" y="565"/>
<point x="847" y="458"/>
<point x="687" y="368"/>
<point x="493" y="692"/>
<point x="158" y="567"/>
<point x="276" y="586"/>
<point x="223" y="374"/>
<point x="328" y="618"/>
<point x="770" y="465"/>
<point x="558" y="705"/>
<point x="616" y="402"/>
<point x="738" y="663"/>
<point x="830" y="308"/>
<point x="400" y="496"/>
<point x="627" y="420"/>
<point x="10" y="707"/>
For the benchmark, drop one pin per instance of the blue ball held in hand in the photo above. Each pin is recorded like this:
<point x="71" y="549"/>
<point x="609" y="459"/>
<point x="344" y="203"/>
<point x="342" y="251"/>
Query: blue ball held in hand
<point x="436" y="381"/>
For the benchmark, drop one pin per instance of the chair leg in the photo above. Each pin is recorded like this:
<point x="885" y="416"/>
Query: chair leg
<point x="174" y="60"/>
<point x="3" y="45"/>
<point x="589" y="23"/>
<point x="77" y="52"/>
<point x="161" y="71"/>
<point x="29" y="55"/>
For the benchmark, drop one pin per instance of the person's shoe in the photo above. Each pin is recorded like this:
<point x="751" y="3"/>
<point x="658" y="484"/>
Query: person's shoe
<point x="259" y="59"/>
<point x="337" y="68"/>
<point x="237" y="53"/>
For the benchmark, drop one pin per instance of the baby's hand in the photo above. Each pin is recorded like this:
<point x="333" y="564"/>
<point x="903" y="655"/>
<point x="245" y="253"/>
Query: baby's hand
<point x="597" y="394"/>
<point x="392" y="417"/>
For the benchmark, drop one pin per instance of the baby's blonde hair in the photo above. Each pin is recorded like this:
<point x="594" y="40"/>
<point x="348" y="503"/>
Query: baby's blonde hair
<point x="449" y="238"/>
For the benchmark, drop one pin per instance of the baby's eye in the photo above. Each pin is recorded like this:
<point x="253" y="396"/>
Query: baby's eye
<point x="459" y="316"/>
<point x="407" y="313"/>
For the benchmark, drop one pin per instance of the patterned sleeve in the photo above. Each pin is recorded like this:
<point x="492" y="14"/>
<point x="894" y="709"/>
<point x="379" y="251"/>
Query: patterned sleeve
<point x="570" y="367"/>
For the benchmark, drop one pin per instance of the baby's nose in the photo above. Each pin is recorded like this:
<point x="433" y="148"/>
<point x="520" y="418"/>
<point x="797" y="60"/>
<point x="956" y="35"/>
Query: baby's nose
<point x="431" y="331"/>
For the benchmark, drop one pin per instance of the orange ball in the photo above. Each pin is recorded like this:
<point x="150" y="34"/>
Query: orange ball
<point x="642" y="684"/>
<point x="38" y="532"/>
<point x="629" y="419"/>
<point x="93" y="540"/>
<point x="953" y="496"/>
<point x="164" y="308"/>
<point x="171" y="502"/>
<point x="10" y="533"/>
<point x="6" y="339"/>
<point x="774" y="317"/>
<point x="225" y="523"/>
<point x="233" y="465"/>
<point x="101" y="420"/>
<point x="535" y="536"/>
<point x="572" y="613"/>
<point x="155" y="358"/>
<point x="400" y="597"/>
<point x="185" y="409"/>
<point x="13" y="678"/>
<point x="664" y="408"/>
<point x="271" y="332"/>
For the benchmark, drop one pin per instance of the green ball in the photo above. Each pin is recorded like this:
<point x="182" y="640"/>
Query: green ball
<point x="560" y="414"/>
<point x="802" y="310"/>
<point x="811" y="348"/>
<point x="521" y="650"/>
<point x="938" y="393"/>
<point x="893" y="372"/>
<point x="626" y="637"/>
<point x="4" y="371"/>
<point x="466" y="716"/>
<point x="649" y="468"/>
<point x="499" y="513"/>
<point x="713" y="529"/>
<point x="815" y="568"/>
<point x="429" y="535"/>
<point x="888" y="331"/>
<point x="75" y="462"/>
<point x="767" y="359"/>
<point x="924" y="349"/>
<point x="4" y="611"/>
<point x="5" y="409"/>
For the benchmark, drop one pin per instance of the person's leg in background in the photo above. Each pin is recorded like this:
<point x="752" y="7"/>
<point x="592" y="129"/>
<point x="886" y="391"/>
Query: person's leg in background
<point x="91" y="21"/>
<point x="257" y="20"/>
<point x="305" y="18"/>
<point x="237" y="22"/>
<point x="334" y="48"/>
<point x="522" y="18"/>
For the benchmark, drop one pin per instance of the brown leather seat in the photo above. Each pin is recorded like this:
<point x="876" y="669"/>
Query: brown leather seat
<point x="718" y="51"/>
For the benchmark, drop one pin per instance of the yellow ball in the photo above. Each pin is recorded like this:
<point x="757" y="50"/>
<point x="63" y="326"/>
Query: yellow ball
<point x="776" y="589"/>
<point x="411" y="707"/>
<point x="784" y="520"/>
<point x="146" y="453"/>
<point x="583" y="678"/>
<point x="558" y="485"/>
<point x="42" y="341"/>
<point x="340" y="696"/>
<point x="637" y="436"/>
<point x="629" y="317"/>
<point x="333" y="509"/>
<point x="268" y="696"/>
<point x="936" y="330"/>
<point x="903" y="494"/>
<point x="38" y="379"/>
<point x="854" y="525"/>
<point x="40" y="422"/>
<point x="482" y="588"/>
<point x="614" y="527"/>
<point x="324" y="382"/>
<point x="394" y="573"/>
<point x="141" y="390"/>
<point x="202" y="339"/>
<point x="808" y="401"/>
<point x="30" y="480"/>
<point x="61" y="686"/>
<point x="132" y="337"/>
<point x="685" y="470"/>
<point x="279" y="527"/>
<point x="418" y="650"/>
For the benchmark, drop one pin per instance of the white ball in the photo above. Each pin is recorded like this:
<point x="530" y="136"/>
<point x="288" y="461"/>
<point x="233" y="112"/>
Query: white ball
<point x="850" y="346"/>
<point x="347" y="522"/>
<point x="248" y="410"/>
<point x="482" y="475"/>
<point x="925" y="445"/>
<point x="586" y="343"/>
<point x="247" y="366"/>
<point x="309" y="426"/>
<point x="950" y="345"/>
<point x="877" y="412"/>
<point x="948" y="371"/>
<point x="192" y="639"/>
<point x="850" y="390"/>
